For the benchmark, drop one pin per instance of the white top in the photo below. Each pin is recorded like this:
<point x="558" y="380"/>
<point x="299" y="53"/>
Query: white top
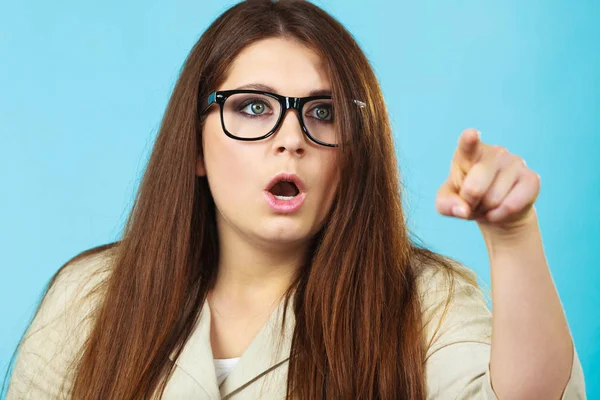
<point x="223" y="367"/>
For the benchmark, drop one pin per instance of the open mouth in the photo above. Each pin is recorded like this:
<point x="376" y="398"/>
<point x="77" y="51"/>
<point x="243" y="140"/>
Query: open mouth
<point x="285" y="193"/>
<point x="284" y="190"/>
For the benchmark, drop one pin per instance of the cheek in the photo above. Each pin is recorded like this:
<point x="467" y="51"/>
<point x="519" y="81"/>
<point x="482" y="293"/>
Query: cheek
<point x="226" y="167"/>
<point x="330" y="179"/>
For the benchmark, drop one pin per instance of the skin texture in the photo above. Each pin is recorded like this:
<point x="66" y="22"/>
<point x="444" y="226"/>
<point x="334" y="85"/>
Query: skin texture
<point x="261" y="249"/>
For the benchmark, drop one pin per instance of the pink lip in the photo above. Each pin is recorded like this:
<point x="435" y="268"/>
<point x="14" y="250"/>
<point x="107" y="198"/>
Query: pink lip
<point x="286" y="206"/>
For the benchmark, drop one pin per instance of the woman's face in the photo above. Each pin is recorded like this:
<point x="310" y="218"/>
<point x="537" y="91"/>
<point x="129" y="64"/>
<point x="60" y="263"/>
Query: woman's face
<point x="239" y="172"/>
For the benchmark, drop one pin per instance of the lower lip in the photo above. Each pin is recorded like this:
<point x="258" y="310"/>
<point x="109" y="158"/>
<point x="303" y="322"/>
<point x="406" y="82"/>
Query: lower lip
<point x="285" y="206"/>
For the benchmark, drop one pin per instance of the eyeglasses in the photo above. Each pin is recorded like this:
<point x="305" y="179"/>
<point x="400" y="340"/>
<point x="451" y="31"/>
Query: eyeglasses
<point x="254" y="114"/>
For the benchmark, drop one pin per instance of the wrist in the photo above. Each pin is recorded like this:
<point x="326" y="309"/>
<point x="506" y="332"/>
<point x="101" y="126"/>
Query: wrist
<point x="515" y="234"/>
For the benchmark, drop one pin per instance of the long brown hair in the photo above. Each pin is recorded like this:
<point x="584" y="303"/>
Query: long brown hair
<point x="358" y="331"/>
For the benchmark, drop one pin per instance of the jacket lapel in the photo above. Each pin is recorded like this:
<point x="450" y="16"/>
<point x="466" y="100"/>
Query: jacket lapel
<point x="196" y="357"/>
<point x="266" y="357"/>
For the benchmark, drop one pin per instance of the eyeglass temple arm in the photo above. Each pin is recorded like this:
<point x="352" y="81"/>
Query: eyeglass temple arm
<point x="211" y="99"/>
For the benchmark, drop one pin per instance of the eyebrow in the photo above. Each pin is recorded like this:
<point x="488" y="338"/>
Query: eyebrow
<point x="267" y="88"/>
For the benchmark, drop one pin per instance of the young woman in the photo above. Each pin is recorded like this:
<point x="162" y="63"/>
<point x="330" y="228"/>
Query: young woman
<point x="267" y="255"/>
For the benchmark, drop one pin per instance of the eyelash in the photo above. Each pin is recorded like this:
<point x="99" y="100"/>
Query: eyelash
<point x="257" y="100"/>
<point x="247" y="102"/>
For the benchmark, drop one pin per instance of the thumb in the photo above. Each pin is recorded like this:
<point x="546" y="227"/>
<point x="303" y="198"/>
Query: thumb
<point x="449" y="203"/>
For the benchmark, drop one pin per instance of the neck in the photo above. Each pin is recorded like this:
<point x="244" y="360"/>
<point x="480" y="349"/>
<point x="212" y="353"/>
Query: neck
<point x="253" y="273"/>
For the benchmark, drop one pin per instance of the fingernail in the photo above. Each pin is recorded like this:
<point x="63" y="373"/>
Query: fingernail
<point x="459" y="211"/>
<point x="478" y="133"/>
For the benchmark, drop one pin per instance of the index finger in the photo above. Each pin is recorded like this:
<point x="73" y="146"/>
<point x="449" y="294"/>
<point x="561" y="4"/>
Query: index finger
<point x="469" y="149"/>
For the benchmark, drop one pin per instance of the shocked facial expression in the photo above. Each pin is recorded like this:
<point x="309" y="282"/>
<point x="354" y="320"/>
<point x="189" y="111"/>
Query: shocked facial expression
<point x="277" y="190"/>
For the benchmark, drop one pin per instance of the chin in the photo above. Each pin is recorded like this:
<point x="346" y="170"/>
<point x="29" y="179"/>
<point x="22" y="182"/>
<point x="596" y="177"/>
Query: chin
<point x="283" y="232"/>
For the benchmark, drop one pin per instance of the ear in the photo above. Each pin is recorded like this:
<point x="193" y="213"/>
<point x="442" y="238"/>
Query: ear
<point x="200" y="168"/>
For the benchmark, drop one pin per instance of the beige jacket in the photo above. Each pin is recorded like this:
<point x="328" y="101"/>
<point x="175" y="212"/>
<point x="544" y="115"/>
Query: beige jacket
<point x="457" y="363"/>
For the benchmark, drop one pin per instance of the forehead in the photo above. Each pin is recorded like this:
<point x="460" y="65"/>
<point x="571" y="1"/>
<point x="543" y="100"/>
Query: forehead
<point x="288" y="66"/>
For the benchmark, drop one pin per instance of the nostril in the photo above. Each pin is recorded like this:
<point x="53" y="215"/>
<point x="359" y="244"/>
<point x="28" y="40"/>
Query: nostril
<point x="299" y="150"/>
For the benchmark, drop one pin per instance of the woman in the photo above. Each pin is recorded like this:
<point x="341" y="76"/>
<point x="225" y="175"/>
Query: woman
<point x="267" y="256"/>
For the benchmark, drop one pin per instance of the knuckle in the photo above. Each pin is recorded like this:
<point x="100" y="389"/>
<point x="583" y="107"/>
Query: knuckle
<point x="501" y="151"/>
<point x="537" y="180"/>
<point x="473" y="190"/>
<point x="505" y="158"/>
<point x="492" y="200"/>
<point x="511" y="207"/>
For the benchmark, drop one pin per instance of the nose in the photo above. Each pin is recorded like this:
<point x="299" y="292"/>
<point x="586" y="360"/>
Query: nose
<point x="289" y="136"/>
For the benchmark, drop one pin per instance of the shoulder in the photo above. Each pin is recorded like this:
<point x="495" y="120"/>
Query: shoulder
<point x="440" y="278"/>
<point x="60" y="326"/>
<point x="77" y="286"/>
<point x="72" y="295"/>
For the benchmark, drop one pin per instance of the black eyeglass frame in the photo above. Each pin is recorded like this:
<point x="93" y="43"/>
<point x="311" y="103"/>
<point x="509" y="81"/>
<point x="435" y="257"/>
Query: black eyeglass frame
<point x="219" y="97"/>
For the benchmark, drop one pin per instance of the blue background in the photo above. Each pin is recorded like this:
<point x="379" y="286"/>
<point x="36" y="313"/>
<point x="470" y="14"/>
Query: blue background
<point x="83" y="86"/>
